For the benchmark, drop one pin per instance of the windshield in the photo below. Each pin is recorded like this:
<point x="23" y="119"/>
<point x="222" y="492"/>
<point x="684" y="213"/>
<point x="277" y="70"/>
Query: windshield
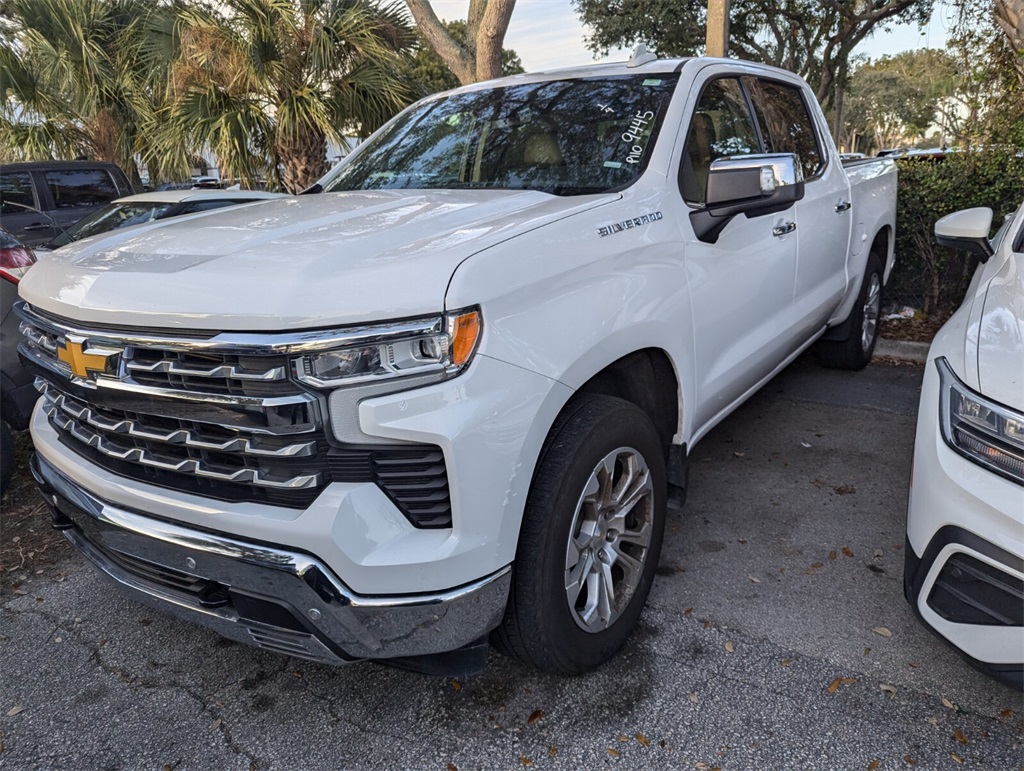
<point x="112" y="217"/>
<point x="566" y="137"/>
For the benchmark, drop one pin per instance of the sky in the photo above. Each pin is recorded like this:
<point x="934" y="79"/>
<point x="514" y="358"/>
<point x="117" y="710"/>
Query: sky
<point x="547" y="34"/>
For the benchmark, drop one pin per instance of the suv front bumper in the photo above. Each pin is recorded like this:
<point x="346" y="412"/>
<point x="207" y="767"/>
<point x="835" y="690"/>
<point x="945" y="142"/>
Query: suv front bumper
<point x="262" y="595"/>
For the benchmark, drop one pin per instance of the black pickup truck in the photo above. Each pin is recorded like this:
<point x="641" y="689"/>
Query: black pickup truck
<point x="38" y="199"/>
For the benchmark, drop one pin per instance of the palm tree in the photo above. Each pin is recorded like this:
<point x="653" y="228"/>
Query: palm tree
<point x="266" y="83"/>
<point x="83" y="77"/>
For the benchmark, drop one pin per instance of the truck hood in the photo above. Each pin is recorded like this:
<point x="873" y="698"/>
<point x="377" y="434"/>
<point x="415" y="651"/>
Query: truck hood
<point x="1001" y="337"/>
<point x="299" y="262"/>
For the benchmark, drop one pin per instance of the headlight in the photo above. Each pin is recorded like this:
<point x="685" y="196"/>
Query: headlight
<point x="443" y="345"/>
<point x="981" y="430"/>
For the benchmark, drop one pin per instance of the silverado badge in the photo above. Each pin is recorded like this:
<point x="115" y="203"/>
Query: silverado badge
<point x="636" y="222"/>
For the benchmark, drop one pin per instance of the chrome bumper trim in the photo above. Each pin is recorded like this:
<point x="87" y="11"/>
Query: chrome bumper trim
<point x="327" y="621"/>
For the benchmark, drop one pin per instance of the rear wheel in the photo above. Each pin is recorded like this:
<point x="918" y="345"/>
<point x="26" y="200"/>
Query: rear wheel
<point x="855" y="351"/>
<point x="590" y="539"/>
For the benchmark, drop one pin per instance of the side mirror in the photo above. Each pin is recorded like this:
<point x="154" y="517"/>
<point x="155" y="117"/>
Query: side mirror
<point x="967" y="230"/>
<point x="754" y="185"/>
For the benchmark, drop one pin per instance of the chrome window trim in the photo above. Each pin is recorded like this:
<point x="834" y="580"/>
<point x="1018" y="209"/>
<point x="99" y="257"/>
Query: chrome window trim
<point x="245" y="343"/>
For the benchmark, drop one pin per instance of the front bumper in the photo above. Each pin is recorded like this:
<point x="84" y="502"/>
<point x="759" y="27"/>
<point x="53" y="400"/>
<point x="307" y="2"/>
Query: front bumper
<point x="964" y="569"/>
<point x="262" y="595"/>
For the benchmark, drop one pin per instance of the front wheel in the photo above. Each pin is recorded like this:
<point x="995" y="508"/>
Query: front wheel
<point x="590" y="539"/>
<point x="855" y="351"/>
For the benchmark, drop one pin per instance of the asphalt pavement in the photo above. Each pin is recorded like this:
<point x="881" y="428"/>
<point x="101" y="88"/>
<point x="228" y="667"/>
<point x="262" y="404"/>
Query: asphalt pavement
<point x="776" y="636"/>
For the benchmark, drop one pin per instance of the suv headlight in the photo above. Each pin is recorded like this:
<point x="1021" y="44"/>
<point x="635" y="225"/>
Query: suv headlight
<point x="443" y="345"/>
<point x="981" y="430"/>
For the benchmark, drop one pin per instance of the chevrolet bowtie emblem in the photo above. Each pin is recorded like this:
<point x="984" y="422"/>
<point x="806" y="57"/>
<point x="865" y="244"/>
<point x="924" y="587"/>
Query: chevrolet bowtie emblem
<point x="80" y="361"/>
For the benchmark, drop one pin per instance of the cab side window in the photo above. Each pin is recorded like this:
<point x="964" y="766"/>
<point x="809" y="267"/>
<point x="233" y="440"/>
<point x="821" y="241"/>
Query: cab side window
<point x="721" y="126"/>
<point x="785" y="123"/>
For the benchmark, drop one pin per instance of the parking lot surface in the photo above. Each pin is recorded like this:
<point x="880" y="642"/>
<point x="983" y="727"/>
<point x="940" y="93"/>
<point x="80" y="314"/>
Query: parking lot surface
<point x="776" y="636"/>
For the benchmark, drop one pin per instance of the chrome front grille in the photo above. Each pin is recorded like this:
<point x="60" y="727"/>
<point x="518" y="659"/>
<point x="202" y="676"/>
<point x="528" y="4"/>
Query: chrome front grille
<point x="216" y="415"/>
<point x="185" y="447"/>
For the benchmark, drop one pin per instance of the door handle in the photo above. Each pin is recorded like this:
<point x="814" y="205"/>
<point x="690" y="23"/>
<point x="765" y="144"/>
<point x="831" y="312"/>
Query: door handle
<point x="842" y="206"/>
<point x="38" y="226"/>
<point x="781" y="230"/>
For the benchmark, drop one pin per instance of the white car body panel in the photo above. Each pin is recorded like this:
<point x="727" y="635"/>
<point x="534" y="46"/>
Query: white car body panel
<point x="981" y="343"/>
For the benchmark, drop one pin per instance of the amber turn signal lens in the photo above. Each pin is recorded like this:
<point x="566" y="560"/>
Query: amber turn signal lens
<point x="465" y="331"/>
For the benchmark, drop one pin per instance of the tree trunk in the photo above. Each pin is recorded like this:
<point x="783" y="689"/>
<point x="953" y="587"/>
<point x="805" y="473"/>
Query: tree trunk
<point x="303" y="159"/>
<point x="491" y="36"/>
<point x="1010" y="18"/>
<point x="458" y="58"/>
<point x="480" y="58"/>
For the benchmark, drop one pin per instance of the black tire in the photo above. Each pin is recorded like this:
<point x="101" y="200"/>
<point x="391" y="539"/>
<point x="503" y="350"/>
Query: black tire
<point x="7" y="457"/>
<point x="855" y="351"/>
<point x="540" y="627"/>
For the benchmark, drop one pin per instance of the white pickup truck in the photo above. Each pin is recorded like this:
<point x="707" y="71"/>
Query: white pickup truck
<point x="448" y="393"/>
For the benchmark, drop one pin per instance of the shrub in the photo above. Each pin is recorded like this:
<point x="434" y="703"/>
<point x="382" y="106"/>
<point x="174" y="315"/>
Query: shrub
<point x="927" y="275"/>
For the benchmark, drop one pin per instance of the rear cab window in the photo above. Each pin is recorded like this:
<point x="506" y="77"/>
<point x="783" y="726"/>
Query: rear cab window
<point x="80" y="188"/>
<point x="786" y="124"/>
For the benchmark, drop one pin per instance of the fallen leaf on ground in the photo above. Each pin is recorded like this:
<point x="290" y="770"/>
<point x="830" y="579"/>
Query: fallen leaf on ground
<point x="552" y="751"/>
<point x="956" y="757"/>
<point x="754" y="580"/>
<point x="1007" y="713"/>
<point x="804" y="444"/>
<point x="912" y="665"/>
<point x="688" y="612"/>
<point x="707" y="624"/>
<point x="215" y="724"/>
<point x="848" y="680"/>
<point x="874" y="764"/>
<point x="816" y="565"/>
<point x="452" y="767"/>
<point x="614" y="752"/>
<point x="787" y="662"/>
<point x="960" y="737"/>
<point x="536" y="715"/>
<point x="643" y="740"/>
<point x="947" y="703"/>
<point x="932" y="720"/>
<point x="834" y="686"/>
<point x="693" y="698"/>
<point x="878" y="554"/>
<point x="738" y="454"/>
<point x="15" y="710"/>
<point x="867" y="651"/>
<point x="525" y="760"/>
<point x="844" y="490"/>
<point x="456" y="685"/>
<point x="909" y="760"/>
<point x="889" y="689"/>
<point x="883" y="631"/>
<point x="730" y="647"/>
<point x="832" y="554"/>
<point x="661" y="743"/>
<point x="846" y="551"/>
<point x="622" y="738"/>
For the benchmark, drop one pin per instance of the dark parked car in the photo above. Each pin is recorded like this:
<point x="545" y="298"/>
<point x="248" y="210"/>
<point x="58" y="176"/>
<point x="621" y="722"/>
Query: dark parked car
<point x="17" y="394"/>
<point x="40" y="198"/>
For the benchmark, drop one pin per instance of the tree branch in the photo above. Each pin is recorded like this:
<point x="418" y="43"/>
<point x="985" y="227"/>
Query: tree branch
<point x="459" y="60"/>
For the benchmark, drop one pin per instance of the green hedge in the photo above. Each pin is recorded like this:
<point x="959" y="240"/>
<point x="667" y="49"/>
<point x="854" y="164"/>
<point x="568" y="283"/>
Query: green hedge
<point x="928" y="276"/>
